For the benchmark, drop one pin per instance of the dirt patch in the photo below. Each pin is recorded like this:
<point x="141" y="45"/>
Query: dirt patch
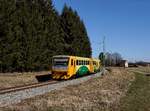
<point x="17" y="79"/>
<point x="102" y="93"/>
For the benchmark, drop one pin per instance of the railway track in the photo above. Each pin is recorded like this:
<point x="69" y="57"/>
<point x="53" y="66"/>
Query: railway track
<point x="23" y="87"/>
<point x="15" y="95"/>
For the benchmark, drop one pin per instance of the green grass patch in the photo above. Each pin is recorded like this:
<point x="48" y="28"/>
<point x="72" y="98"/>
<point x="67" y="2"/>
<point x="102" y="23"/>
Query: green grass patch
<point x="138" y="95"/>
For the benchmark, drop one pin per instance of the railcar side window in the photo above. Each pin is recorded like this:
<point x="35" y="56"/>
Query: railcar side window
<point x="77" y="62"/>
<point x="71" y="61"/>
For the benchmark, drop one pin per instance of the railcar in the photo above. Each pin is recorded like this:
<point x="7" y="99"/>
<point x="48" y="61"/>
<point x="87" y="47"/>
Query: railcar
<point x="65" y="67"/>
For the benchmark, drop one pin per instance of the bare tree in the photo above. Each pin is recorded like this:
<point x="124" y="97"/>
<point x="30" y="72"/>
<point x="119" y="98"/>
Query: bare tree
<point x="113" y="59"/>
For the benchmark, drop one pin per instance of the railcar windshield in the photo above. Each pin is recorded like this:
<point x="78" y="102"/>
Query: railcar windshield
<point x="60" y="61"/>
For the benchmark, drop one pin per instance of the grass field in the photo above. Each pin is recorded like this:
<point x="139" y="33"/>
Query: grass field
<point x="138" y="96"/>
<point x="142" y="69"/>
<point x="118" y="90"/>
<point x="100" y="94"/>
<point x="17" y="79"/>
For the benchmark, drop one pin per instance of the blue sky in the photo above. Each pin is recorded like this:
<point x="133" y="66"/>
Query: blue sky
<point x="125" y="23"/>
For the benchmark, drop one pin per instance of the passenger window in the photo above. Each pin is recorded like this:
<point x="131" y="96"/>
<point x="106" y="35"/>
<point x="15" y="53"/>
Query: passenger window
<point x="71" y="61"/>
<point x="87" y="62"/>
<point x="80" y="62"/>
<point x="77" y="62"/>
<point x="74" y="63"/>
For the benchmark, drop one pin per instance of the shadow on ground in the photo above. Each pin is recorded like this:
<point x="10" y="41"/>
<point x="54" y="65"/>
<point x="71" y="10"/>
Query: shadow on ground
<point x="43" y="78"/>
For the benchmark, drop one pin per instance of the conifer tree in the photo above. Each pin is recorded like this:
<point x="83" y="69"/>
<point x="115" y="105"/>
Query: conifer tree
<point x="76" y="38"/>
<point x="32" y="32"/>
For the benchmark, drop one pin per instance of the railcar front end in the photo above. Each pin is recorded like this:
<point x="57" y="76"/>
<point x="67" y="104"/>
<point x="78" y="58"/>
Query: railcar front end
<point x="60" y="66"/>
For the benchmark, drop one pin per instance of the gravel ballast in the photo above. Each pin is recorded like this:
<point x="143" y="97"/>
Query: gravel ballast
<point x="16" y="97"/>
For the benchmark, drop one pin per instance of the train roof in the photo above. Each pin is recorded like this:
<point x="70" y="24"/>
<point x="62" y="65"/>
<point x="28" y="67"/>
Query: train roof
<point x="61" y="56"/>
<point x="96" y="59"/>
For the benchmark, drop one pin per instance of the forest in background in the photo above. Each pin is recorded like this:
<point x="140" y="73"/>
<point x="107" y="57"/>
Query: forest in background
<point x="32" y="31"/>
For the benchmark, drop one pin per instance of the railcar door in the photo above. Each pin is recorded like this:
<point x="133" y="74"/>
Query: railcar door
<point x="91" y="66"/>
<point x="72" y="67"/>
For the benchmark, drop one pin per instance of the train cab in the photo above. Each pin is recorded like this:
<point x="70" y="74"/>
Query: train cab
<point x="60" y="66"/>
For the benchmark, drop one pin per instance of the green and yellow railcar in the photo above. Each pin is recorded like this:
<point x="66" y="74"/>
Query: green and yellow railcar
<point x="65" y="67"/>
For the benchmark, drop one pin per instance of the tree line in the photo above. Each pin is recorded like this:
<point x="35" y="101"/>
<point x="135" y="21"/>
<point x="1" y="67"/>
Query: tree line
<point x="32" y="31"/>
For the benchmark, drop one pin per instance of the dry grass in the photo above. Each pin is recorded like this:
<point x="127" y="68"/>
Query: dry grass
<point x="17" y="79"/>
<point x="144" y="69"/>
<point x="100" y="94"/>
<point x="138" y="95"/>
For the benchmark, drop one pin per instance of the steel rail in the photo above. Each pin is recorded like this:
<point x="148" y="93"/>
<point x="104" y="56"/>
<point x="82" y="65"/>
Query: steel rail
<point x="23" y="87"/>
